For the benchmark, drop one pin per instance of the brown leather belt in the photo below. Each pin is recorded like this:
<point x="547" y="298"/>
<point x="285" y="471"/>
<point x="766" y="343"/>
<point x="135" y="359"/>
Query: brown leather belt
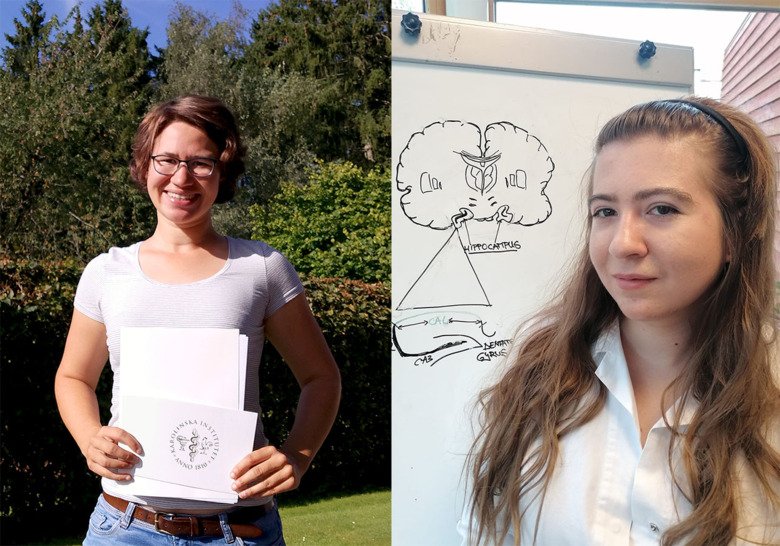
<point x="196" y="526"/>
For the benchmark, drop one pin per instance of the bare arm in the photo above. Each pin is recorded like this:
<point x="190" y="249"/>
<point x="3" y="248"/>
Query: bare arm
<point x="295" y="334"/>
<point x="82" y="362"/>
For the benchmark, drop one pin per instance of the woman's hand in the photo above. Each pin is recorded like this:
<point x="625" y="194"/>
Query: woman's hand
<point x="83" y="359"/>
<point x="268" y="470"/>
<point x="264" y="472"/>
<point x="105" y="457"/>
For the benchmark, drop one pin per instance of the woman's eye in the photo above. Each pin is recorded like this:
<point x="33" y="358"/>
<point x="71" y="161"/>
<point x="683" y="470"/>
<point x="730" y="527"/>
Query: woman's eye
<point x="663" y="210"/>
<point x="603" y="212"/>
<point x="167" y="161"/>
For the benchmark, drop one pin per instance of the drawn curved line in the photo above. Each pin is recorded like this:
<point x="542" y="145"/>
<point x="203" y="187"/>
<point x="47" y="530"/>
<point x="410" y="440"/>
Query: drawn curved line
<point x="482" y="327"/>
<point x="402" y="322"/>
<point x="479" y="161"/>
<point x="489" y="172"/>
<point x="436" y="350"/>
<point x="402" y="326"/>
<point x="479" y="344"/>
<point x="460" y="218"/>
<point x="453" y="353"/>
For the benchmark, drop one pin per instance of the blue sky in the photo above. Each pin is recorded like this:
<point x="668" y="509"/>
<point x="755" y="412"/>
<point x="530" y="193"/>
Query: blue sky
<point x="150" y="14"/>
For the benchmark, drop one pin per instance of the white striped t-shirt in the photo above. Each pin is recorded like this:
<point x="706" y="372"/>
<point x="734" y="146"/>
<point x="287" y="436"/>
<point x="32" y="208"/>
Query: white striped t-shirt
<point x="255" y="281"/>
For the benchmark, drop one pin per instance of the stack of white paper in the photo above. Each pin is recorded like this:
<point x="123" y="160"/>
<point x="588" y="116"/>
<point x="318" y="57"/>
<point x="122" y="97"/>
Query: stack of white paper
<point x="182" y="397"/>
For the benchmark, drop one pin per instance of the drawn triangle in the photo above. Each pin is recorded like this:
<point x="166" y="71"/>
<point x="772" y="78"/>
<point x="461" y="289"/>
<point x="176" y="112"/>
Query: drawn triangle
<point x="449" y="279"/>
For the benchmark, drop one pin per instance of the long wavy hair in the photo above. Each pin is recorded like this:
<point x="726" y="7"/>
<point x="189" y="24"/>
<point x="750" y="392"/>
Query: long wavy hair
<point x="548" y="389"/>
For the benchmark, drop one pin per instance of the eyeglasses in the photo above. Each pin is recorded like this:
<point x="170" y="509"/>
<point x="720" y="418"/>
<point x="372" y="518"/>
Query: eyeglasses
<point x="199" y="167"/>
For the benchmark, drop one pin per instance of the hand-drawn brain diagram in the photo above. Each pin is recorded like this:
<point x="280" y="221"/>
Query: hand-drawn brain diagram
<point x="451" y="172"/>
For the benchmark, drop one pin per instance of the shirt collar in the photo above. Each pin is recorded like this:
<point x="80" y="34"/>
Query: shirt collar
<point x="612" y="371"/>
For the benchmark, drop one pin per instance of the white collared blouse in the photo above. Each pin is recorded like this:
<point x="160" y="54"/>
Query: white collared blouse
<point x="609" y="490"/>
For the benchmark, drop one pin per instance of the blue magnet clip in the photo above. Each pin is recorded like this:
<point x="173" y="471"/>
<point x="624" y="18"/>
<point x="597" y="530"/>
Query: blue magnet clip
<point x="411" y="24"/>
<point x="646" y="50"/>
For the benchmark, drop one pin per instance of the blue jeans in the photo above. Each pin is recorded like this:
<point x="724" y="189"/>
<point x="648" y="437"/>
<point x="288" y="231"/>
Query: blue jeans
<point x="108" y="526"/>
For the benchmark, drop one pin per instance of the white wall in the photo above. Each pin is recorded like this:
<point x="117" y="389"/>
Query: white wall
<point x="550" y="88"/>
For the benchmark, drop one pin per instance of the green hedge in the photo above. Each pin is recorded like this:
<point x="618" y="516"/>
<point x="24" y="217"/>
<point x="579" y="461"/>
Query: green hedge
<point x="44" y="477"/>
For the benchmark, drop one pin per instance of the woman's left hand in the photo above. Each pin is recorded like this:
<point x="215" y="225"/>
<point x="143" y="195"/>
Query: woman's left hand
<point x="269" y="470"/>
<point x="264" y="472"/>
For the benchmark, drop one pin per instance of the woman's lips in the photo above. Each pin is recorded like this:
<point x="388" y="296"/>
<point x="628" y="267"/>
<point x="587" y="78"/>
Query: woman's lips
<point x="180" y="198"/>
<point x="632" y="282"/>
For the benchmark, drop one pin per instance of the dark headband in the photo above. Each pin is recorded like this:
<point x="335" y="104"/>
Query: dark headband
<point x="715" y="116"/>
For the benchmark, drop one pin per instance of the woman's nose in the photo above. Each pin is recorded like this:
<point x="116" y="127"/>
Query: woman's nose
<point x="182" y="176"/>
<point x="628" y="238"/>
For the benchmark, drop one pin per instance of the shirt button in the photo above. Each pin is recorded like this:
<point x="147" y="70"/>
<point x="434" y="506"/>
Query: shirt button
<point x="654" y="528"/>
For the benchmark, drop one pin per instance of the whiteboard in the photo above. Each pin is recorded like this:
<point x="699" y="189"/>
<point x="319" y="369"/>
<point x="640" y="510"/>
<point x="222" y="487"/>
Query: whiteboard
<point x="492" y="134"/>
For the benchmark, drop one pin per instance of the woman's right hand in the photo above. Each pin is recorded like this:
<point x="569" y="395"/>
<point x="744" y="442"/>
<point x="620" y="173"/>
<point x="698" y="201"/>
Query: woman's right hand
<point x="83" y="360"/>
<point x="106" y="458"/>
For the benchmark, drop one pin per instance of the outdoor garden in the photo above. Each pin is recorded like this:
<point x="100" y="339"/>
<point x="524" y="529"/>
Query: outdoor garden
<point x="310" y="85"/>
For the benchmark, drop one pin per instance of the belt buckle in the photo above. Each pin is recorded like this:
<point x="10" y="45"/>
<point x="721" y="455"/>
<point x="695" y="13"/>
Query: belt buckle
<point x="193" y="521"/>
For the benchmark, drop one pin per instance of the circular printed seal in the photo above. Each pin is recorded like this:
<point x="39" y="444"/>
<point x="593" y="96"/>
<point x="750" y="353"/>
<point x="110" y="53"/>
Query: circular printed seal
<point x="194" y="444"/>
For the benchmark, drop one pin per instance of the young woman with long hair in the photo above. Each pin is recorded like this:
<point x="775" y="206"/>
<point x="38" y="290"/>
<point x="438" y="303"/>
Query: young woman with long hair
<point x="642" y="406"/>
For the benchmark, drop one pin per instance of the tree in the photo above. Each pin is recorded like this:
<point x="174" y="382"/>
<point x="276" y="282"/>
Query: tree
<point x="29" y="43"/>
<point x="72" y="113"/>
<point x="275" y="111"/>
<point x="345" y="45"/>
<point x="66" y="138"/>
<point x="336" y="225"/>
<point x="111" y="33"/>
<point x="202" y="55"/>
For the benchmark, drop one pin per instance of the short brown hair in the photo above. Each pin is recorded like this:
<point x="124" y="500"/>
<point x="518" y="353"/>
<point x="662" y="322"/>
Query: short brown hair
<point x="208" y="114"/>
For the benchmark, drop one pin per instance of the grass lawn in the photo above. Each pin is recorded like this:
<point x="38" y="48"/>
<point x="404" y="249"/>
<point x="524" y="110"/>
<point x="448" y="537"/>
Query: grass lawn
<point x="345" y="521"/>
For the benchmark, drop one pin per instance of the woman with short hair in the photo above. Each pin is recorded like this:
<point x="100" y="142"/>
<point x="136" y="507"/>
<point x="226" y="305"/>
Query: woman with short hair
<point x="187" y="155"/>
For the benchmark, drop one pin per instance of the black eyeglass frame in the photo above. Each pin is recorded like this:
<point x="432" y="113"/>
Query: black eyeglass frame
<point x="187" y="164"/>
